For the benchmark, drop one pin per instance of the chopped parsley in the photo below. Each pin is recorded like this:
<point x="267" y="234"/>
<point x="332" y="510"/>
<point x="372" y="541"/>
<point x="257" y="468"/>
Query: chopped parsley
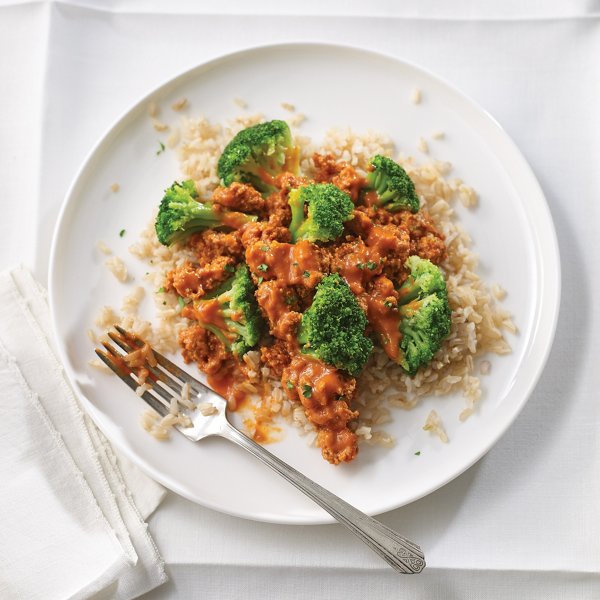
<point x="160" y="290"/>
<point x="371" y="265"/>
<point x="306" y="274"/>
<point x="121" y="233"/>
<point x="361" y="266"/>
<point x="289" y="385"/>
<point x="263" y="267"/>
<point x="418" y="453"/>
<point x="229" y="268"/>
<point x="264" y="248"/>
<point x="161" y="149"/>
<point x="290" y="299"/>
<point x="388" y="304"/>
<point x="181" y="301"/>
<point x="260" y="280"/>
<point x="306" y="390"/>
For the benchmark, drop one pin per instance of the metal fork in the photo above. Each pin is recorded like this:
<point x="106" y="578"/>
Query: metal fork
<point x="403" y="555"/>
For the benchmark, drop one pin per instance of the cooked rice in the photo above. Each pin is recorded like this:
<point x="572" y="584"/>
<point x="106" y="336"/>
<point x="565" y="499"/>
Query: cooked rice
<point x="478" y="322"/>
<point x="117" y="267"/>
<point x="287" y="106"/>
<point x="422" y="146"/>
<point x="159" y="125"/>
<point x="115" y="187"/>
<point x="179" y="104"/>
<point x="434" y="424"/>
<point x="207" y="409"/>
<point x="416" y="96"/>
<point x="173" y="139"/>
<point x="103" y="248"/>
<point x="153" y="110"/>
<point x="438" y="135"/>
<point x="131" y="302"/>
<point x="241" y="103"/>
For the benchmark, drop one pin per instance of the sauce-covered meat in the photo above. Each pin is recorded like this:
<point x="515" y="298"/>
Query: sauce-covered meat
<point x="202" y="347"/>
<point x="277" y="357"/>
<point x="384" y="318"/>
<point x="209" y="245"/>
<point x="240" y="197"/>
<point x="324" y="393"/>
<point x="277" y="303"/>
<point x="290" y="264"/>
<point x="190" y="281"/>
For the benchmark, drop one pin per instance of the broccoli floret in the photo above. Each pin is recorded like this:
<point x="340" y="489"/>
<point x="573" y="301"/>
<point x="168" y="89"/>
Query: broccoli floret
<point x="257" y="154"/>
<point x="328" y="209"/>
<point x="394" y="188"/>
<point x="236" y="319"/>
<point x="181" y="214"/>
<point x="333" y="328"/>
<point x="424" y="314"/>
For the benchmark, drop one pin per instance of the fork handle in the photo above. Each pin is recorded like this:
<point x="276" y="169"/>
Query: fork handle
<point x="400" y="553"/>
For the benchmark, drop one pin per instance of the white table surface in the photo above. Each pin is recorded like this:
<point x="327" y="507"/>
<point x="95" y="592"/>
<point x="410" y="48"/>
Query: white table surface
<point x="524" y="521"/>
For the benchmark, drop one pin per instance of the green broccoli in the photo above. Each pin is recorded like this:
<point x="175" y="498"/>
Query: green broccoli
<point x="333" y="328"/>
<point x="257" y="154"/>
<point x="328" y="209"/>
<point x="393" y="187"/>
<point x="236" y="320"/>
<point x="424" y="314"/>
<point x="181" y="214"/>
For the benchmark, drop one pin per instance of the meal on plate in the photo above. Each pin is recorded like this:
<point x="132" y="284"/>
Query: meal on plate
<point x="321" y="284"/>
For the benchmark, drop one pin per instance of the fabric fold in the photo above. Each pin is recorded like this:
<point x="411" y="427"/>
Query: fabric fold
<point x="72" y="481"/>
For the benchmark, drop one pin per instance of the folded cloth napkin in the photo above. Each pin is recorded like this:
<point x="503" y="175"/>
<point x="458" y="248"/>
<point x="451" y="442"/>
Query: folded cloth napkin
<point x="71" y="511"/>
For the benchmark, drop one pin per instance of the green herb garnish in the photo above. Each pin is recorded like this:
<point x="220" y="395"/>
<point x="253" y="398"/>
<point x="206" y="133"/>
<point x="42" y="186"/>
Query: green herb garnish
<point x="306" y="391"/>
<point x="263" y="267"/>
<point x="161" y="149"/>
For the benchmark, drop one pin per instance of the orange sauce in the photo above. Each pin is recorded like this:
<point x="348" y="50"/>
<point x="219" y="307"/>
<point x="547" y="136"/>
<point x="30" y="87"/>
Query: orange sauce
<point x="261" y="423"/>
<point x="292" y="264"/>
<point x="385" y="320"/>
<point x="265" y="176"/>
<point x="272" y="300"/>
<point x="371" y="198"/>
<point x="363" y="264"/>
<point x="222" y="382"/>
<point x="382" y="240"/>
<point x="227" y="383"/>
<point x="323" y="380"/>
<point x="207" y="312"/>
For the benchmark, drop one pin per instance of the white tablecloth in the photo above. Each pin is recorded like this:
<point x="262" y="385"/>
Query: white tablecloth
<point x="524" y="521"/>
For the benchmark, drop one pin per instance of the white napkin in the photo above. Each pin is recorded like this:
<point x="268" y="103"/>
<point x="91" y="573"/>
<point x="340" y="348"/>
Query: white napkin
<point x="71" y="513"/>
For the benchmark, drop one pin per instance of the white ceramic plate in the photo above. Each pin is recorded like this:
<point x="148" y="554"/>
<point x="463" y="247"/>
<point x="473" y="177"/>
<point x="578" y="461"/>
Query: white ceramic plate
<point x="333" y="86"/>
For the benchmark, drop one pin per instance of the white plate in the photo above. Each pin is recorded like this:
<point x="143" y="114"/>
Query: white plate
<point x="333" y="86"/>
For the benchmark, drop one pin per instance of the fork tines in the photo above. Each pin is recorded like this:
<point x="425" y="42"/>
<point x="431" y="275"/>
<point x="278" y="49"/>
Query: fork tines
<point x="168" y="380"/>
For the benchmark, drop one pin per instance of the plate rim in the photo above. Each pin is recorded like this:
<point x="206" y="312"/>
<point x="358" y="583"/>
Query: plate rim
<point x="551" y="303"/>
